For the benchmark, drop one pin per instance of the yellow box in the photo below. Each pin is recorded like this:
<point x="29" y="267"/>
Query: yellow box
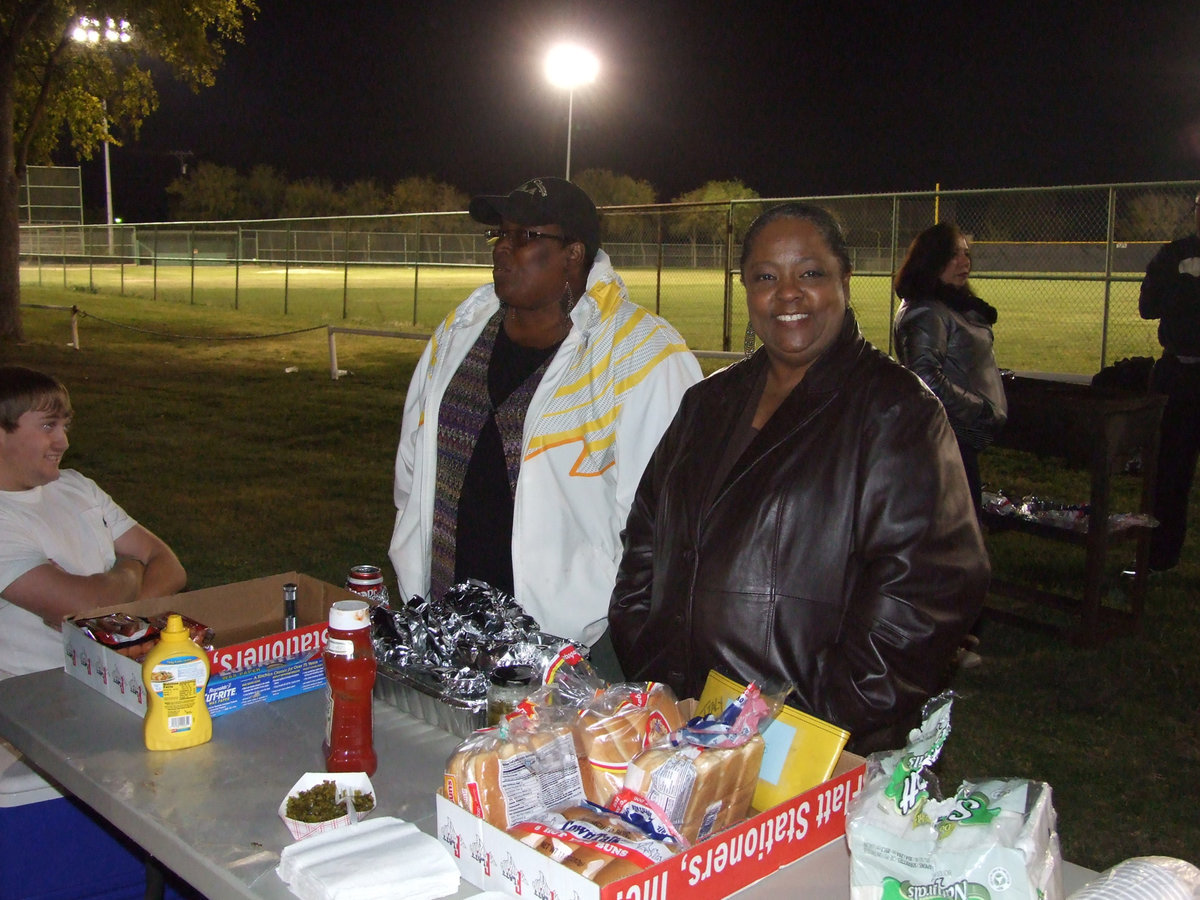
<point x="801" y="750"/>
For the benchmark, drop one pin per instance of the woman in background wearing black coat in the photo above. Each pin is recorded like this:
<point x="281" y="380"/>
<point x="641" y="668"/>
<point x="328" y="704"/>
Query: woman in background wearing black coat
<point x="805" y="518"/>
<point x="944" y="334"/>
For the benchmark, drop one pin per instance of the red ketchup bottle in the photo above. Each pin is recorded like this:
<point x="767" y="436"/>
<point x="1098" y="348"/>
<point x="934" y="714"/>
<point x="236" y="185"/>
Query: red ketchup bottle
<point x="350" y="673"/>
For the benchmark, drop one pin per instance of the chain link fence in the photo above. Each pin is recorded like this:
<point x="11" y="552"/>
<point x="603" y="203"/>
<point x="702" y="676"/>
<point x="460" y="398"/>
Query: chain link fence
<point x="1062" y="265"/>
<point x="51" y="195"/>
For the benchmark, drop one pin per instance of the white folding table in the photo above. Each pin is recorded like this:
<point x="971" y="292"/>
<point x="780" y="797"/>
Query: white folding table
<point x="209" y="813"/>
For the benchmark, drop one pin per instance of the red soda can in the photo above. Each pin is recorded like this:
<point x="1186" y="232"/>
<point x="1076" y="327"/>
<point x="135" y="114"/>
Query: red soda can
<point x="367" y="581"/>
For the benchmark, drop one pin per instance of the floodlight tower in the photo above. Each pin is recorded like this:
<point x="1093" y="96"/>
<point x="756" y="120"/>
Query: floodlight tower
<point x="90" y="30"/>
<point x="570" y="66"/>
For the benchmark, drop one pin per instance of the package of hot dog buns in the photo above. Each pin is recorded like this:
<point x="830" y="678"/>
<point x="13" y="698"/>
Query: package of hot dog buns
<point x="702" y="790"/>
<point x="614" y="722"/>
<point x="703" y="775"/>
<point x="516" y="771"/>
<point x="593" y="842"/>
<point x="615" y="726"/>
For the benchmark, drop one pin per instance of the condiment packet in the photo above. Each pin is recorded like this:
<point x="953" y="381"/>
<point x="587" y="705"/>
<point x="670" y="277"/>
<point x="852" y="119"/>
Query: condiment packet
<point x="346" y="782"/>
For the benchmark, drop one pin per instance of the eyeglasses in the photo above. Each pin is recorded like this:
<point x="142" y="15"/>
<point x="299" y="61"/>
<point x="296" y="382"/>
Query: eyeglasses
<point x="519" y="236"/>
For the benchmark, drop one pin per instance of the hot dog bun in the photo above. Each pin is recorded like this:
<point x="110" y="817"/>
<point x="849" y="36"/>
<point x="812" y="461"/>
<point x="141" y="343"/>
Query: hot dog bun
<point x="702" y="790"/>
<point x="625" y="721"/>
<point x="592" y="842"/>
<point x="497" y="778"/>
<point x="616" y="870"/>
<point x="742" y="781"/>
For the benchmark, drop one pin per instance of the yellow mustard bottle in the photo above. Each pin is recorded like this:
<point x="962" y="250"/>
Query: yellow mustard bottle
<point x="175" y="673"/>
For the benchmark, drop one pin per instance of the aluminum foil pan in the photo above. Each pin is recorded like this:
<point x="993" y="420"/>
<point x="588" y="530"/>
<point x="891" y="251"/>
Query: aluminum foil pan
<point x="435" y="659"/>
<point x="410" y="693"/>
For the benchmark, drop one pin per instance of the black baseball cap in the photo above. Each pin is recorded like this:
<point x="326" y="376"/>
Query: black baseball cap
<point x="544" y="201"/>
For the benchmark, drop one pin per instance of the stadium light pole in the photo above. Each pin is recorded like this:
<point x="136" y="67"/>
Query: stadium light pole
<point x="89" y="30"/>
<point x="107" y="181"/>
<point x="570" y="66"/>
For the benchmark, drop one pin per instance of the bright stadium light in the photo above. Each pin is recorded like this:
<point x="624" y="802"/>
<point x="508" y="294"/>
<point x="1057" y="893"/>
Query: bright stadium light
<point x="115" y="31"/>
<point x="87" y="30"/>
<point x="118" y="31"/>
<point x="570" y="66"/>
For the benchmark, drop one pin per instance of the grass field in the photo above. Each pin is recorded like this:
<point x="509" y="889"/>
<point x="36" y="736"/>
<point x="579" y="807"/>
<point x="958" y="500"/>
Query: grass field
<point x="248" y="469"/>
<point x="1049" y="324"/>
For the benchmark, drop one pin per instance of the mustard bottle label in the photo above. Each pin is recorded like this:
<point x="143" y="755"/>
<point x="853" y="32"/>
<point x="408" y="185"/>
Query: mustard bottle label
<point x="179" y="682"/>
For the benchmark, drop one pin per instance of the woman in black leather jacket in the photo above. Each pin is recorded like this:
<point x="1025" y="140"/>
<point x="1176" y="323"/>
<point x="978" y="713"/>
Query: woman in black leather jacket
<point x="944" y="333"/>
<point x="805" y="518"/>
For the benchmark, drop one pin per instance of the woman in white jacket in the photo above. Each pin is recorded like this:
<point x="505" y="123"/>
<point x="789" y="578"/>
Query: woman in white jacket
<point x="531" y="416"/>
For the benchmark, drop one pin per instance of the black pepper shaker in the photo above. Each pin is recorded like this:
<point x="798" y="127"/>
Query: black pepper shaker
<point x="289" y="606"/>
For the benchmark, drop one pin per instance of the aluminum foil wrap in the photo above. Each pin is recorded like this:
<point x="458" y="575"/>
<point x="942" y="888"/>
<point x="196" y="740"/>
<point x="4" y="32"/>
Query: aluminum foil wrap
<point x="1068" y="516"/>
<point x="450" y="646"/>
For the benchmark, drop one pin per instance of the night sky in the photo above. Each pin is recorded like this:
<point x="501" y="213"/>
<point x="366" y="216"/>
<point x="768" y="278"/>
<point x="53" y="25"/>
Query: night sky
<point x="801" y="98"/>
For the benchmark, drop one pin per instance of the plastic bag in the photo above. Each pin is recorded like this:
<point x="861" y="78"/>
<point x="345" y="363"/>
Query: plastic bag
<point x="1144" y="878"/>
<point x="615" y="726"/>
<point x="992" y="838"/>
<point x="593" y="842"/>
<point x="508" y="774"/>
<point x="744" y="717"/>
<point x="703" y="775"/>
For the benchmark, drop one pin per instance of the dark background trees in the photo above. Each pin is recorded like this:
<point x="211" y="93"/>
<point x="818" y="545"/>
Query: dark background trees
<point x="54" y="88"/>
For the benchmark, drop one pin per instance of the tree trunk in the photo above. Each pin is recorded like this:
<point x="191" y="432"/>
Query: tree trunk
<point x="10" y="260"/>
<point x="10" y="216"/>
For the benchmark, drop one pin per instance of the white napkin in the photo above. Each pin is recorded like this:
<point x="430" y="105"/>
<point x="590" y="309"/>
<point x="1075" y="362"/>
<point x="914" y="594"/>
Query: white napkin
<point x="373" y="860"/>
<point x="331" y="844"/>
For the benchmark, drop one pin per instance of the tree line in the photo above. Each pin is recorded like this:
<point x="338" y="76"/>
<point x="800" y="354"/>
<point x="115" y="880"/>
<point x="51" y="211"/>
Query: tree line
<point x="81" y="80"/>
<point x="70" y="76"/>
<point x="211" y="191"/>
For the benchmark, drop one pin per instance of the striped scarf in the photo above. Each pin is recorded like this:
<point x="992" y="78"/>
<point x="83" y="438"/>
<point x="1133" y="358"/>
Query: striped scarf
<point x="461" y="419"/>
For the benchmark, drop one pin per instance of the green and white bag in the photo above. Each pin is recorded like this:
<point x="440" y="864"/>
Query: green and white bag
<point x="993" y="840"/>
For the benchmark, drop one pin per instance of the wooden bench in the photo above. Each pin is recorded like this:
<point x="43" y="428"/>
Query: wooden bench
<point x="1102" y="431"/>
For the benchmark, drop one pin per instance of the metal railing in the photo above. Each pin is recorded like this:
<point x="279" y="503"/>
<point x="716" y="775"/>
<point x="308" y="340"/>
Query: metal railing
<point x="1062" y="265"/>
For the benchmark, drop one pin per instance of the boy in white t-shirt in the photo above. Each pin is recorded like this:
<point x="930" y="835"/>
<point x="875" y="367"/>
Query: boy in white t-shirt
<point x="65" y="546"/>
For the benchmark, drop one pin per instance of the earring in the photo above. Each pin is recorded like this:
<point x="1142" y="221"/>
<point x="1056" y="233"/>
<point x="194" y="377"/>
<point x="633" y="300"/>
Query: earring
<point x="568" y="299"/>
<point x="750" y="337"/>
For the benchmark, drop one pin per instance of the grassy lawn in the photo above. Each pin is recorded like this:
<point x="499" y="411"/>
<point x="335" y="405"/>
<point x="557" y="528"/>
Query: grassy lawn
<point x="248" y="469"/>
<point x="1046" y="324"/>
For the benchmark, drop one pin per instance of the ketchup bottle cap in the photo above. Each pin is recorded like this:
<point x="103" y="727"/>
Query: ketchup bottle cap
<point x="348" y="615"/>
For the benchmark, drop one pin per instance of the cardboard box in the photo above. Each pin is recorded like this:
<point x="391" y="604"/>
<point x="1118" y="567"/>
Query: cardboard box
<point x="727" y="862"/>
<point x="252" y="661"/>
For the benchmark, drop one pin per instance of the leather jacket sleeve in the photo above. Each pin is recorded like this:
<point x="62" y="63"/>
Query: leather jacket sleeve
<point x="629" y="608"/>
<point x="917" y="580"/>
<point x="1173" y="296"/>
<point x="922" y="340"/>
<point x="1165" y="290"/>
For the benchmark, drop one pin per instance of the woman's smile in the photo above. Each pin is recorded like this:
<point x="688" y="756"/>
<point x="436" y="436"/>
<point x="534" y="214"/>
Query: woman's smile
<point x="796" y="292"/>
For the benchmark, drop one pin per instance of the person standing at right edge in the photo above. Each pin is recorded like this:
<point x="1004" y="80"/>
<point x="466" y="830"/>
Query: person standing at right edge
<point x="1171" y="294"/>
<point x="943" y="333"/>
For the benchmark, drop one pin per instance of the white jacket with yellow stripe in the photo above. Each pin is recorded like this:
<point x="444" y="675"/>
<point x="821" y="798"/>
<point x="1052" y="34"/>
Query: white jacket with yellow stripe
<point x="607" y="396"/>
